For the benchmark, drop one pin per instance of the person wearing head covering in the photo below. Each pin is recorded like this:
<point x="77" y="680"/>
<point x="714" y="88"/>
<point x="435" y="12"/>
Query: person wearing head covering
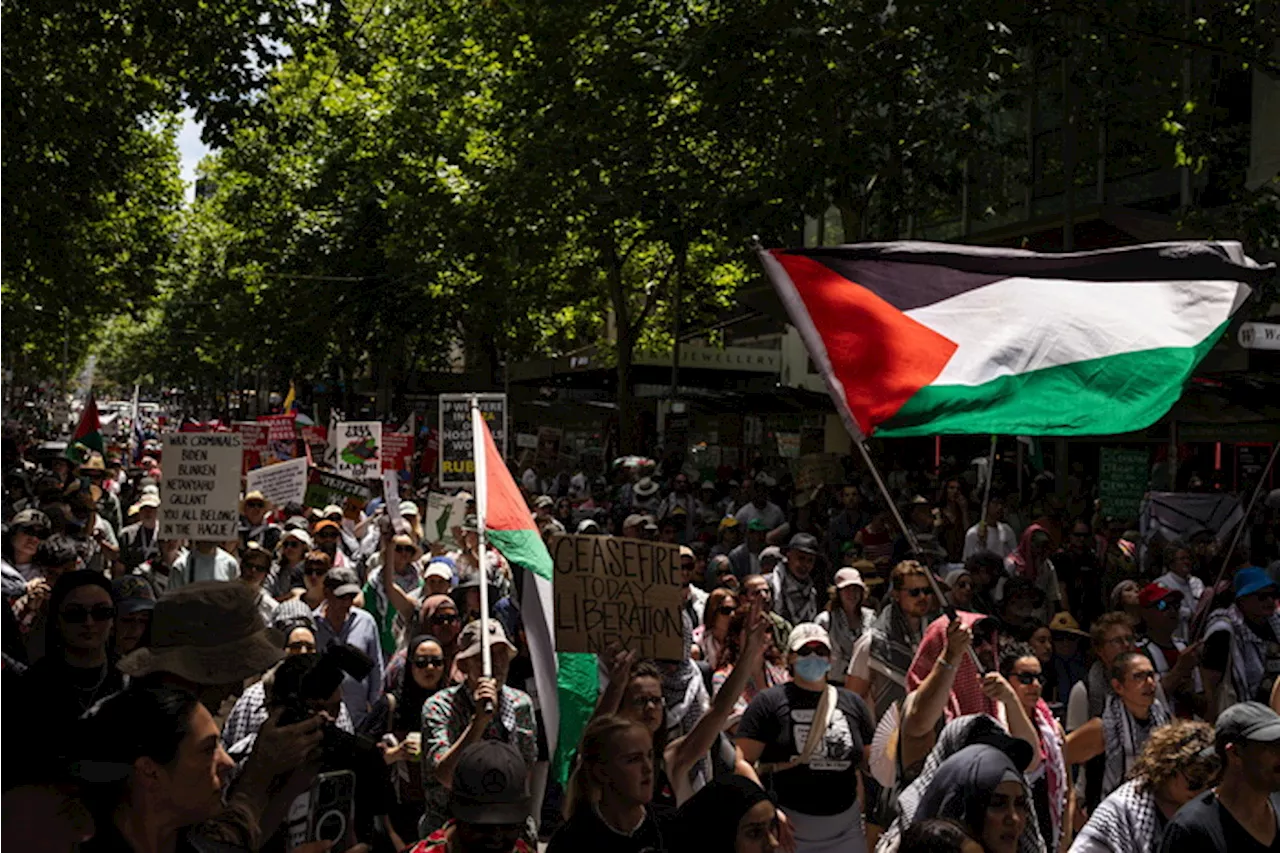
<point x="730" y="815"/>
<point x="134" y="602"/>
<point x="982" y="788"/>
<point x="1242" y="643"/>
<point x="845" y="618"/>
<point x="807" y="741"/>
<point x="76" y="670"/>
<point x="1031" y="562"/>
<point x="415" y="674"/>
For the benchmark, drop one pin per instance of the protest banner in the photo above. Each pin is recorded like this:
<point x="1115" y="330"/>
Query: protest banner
<point x="444" y="512"/>
<point x="282" y="483"/>
<point x="358" y="447"/>
<point x="457" y="467"/>
<point x="1122" y="480"/>
<point x="324" y="488"/>
<point x="254" y="442"/>
<point x="391" y="497"/>
<point x="317" y="439"/>
<point x="280" y="427"/>
<point x="609" y="589"/>
<point x="200" y="495"/>
<point x="397" y="451"/>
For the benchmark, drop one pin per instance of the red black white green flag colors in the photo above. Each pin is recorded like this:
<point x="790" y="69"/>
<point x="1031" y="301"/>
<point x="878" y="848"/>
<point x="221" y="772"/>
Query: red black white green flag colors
<point x="931" y="338"/>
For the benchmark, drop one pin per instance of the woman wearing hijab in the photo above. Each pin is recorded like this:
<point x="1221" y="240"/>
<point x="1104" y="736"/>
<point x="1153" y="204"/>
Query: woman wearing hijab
<point x="730" y="815"/>
<point x="439" y="617"/>
<point x="1030" y="561"/>
<point x="981" y="788"/>
<point x="421" y="675"/>
<point x="76" y="670"/>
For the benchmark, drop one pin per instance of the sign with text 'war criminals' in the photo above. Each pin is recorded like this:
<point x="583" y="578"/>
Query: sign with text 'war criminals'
<point x="200" y="495"/>
<point x="609" y="589"/>
<point x="457" y="463"/>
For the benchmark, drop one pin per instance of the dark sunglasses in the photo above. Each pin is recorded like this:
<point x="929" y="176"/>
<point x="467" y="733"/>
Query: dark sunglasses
<point x="258" y="567"/>
<point x="38" y="532"/>
<point x="724" y="610"/>
<point x="444" y="618"/>
<point x="813" y="649"/>
<point x="315" y="571"/>
<point x="254" y="505"/>
<point x="428" y="660"/>
<point x="918" y="591"/>
<point x="80" y="615"/>
<point x="1029" y="678"/>
<point x="405" y="549"/>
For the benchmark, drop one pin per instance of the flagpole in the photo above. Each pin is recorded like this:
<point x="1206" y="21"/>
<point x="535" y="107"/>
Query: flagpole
<point x="482" y="502"/>
<point x="1244" y="521"/>
<point x="912" y="542"/>
<point x="986" y="492"/>
<point x="133" y="427"/>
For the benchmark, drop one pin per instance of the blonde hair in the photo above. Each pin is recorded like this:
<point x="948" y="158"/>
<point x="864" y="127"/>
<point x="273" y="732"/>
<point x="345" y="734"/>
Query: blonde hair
<point x="593" y="751"/>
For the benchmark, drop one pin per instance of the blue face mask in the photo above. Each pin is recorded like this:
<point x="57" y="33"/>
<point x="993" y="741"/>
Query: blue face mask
<point x="812" y="667"/>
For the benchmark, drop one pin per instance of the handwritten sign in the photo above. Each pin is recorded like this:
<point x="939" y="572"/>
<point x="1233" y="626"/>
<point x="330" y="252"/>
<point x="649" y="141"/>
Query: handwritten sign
<point x="282" y="483"/>
<point x="280" y="427"/>
<point x="200" y="495"/>
<point x="358" y="445"/>
<point x="457" y="465"/>
<point x="609" y="589"/>
<point x="316" y="438"/>
<point x="254" y="442"/>
<point x="1122" y="480"/>
<point x="324" y="488"/>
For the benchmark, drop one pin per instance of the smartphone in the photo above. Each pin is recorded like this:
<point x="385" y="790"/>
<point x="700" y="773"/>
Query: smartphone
<point x="332" y="809"/>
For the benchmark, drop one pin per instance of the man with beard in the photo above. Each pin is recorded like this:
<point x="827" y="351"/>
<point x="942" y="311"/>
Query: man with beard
<point x="794" y="591"/>
<point x="882" y="655"/>
<point x="1240" y="813"/>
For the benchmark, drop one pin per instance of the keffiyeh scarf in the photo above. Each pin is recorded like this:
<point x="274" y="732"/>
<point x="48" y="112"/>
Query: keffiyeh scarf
<point x="893" y="645"/>
<point x="1123" y="739"/>
<point x="966" y="689"/>
<point x="1248" y="650"/>
<point x="1052" y="767"/>
<point x="1125" y="822"/>
<point x="799" y="600"/>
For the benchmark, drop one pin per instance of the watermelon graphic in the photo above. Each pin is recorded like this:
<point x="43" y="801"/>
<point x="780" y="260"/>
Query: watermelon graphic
<point x="360" y="451"/>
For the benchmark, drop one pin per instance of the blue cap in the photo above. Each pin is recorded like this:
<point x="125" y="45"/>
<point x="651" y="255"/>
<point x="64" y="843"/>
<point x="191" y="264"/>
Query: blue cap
<point x="1251" y="580"/>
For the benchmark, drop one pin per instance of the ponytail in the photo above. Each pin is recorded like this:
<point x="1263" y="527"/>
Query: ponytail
<point x="592" y="752"/>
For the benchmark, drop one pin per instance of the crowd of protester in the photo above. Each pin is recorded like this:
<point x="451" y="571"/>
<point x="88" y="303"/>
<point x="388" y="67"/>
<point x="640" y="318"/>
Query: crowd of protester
<point x="1011" y="676"/>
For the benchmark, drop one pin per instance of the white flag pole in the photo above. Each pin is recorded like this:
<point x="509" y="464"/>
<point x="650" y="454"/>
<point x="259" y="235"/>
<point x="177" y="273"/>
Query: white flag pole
<point x="482" y="558"/>
<point x="133" y="427"/>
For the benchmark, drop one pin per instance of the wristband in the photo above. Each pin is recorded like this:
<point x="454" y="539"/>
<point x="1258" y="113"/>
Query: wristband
<point x="946" y="664"/>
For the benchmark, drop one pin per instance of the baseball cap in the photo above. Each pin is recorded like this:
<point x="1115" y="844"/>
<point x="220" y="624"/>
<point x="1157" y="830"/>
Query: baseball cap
<point x="757" y="525"/>
<point x="1153" y="593"/>
<point x="806" y="633"/>
<point x="686" y="551"/>
<point x="773" y="552"/>
<point x="634" y="520"/>
<point x="151" y="500"/>
<point x="849" y="577"/>
<point x="1251" y="580"/>
<point x="132" y="594"/>
<point x="542" y="501"/>
<point x="301" y="535"/>
<point x="325" y="525"/>
<point x="437" y="569"/>
<point x="469" y="639"/>
<point x="1247" y="721"/>
<point x="32" y="518"/>
<point x="728" y="521"/>
<point x="331" y="509"/>
<point x="649" y="522"/>
<point x="805" y="543"/>
<point x="342" y="581"/>
<point x="490" y="785"/>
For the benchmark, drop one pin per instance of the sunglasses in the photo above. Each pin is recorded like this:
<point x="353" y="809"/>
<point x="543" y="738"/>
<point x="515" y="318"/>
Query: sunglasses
<point x="292" y="543"/>
<point x="725" y="610"/>
<point x="315" y="571"/>
<point x="257" y="567"/>
<point x="254" y="505"/>
<point x="80" y="615"/>
<point x="38" y="532"/>
<point x="917" y="591"/>
<point x="444" y="619"/>
<point x="813" y="649"/>
<point x="428" y="660"/>
<point x="1029" y="678"/>
<point x="405" y="549"/>
<point x="301" y="646"/>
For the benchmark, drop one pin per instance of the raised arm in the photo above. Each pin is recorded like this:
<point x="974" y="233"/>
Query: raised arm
<point x="930" y="698"/>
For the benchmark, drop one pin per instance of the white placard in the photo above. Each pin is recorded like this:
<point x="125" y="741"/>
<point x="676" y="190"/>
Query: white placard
<point x="391" y="496"/>
<point x="358" y="449"/>
<point x="444" y="512"/>
<point x="200" y="495"/>
<point x="282" y="483"/>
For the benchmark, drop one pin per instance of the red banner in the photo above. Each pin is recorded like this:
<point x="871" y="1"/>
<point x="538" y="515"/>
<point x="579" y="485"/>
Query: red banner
<point x="397" y="451"/>
<point x="280" y="427"/>
<point x="255" y="442"/>
<point x="317" y="440"/>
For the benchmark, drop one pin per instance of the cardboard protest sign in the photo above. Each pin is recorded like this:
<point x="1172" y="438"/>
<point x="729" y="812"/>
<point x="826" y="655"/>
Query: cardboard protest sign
<point x="358" y="445"/>
<point x="317" y="439"/>
<point x="444" y="512"/>
<point x="457" y="466"/>
<point x="1122" y="480"/>
<point x="391" y="496"/>
<point x="324" y="488"/>
<point x="397" y="451"/>
<point x="254" y="442"/>
<point x="200" y="495"/>
<point x="285" y="482"/>
<point x="609" y="589"/>
<point x="280" y="427"/>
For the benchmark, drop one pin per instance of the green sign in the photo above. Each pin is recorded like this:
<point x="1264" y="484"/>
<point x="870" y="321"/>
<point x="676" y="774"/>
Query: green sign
<point x="1122" y="481"/>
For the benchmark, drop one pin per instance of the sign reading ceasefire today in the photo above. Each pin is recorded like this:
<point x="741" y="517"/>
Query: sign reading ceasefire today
<point x="613" y="590"/>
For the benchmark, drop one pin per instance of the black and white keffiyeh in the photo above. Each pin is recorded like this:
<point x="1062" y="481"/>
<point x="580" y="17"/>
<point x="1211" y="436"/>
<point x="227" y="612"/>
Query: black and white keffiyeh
<point x="1123" y="739"/>
<point x="1127" y="821"/>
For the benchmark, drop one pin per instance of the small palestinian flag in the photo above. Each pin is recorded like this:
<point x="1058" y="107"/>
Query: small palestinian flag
<point x="931" y="338"/>
<point x="88" y="434"/>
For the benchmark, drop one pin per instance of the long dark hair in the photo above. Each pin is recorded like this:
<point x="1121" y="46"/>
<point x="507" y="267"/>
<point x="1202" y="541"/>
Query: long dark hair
<point x="67" y="584"/>
<point x="411" y="695"/>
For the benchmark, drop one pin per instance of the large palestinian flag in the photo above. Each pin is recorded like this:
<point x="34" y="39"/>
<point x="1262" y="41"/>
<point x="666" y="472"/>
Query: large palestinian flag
<point x="931" y="338"/>
<point x="567" y="683"/>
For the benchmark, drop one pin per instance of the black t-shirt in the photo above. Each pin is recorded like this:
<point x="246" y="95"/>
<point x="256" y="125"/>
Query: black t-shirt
<point x="586" y="831"/>
<point x="780" y="718"/>
<point x="1203" y="825"/>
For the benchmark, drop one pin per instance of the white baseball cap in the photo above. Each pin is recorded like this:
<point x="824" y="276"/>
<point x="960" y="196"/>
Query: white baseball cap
<point x="806" y="633"/>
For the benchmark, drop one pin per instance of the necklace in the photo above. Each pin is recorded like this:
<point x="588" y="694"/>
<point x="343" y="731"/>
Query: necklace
<point x="92" y="690"/>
